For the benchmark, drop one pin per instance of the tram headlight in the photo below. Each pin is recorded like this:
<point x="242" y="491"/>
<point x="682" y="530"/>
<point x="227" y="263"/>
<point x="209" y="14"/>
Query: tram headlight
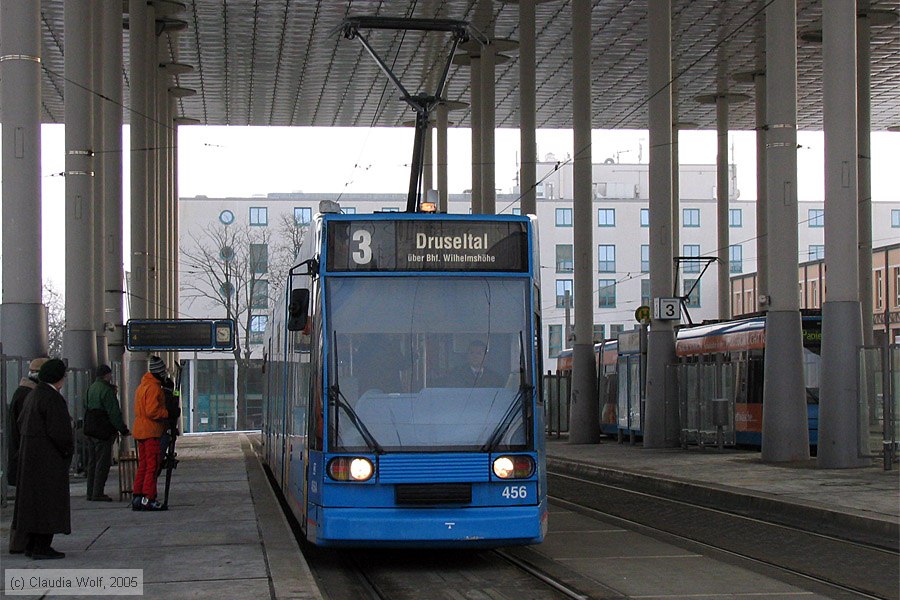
<point x="350" y="468"/>
<point x="518" y="466"/>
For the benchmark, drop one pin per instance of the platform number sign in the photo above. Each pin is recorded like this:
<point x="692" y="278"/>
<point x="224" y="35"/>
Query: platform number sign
<point x="667" y="309"/>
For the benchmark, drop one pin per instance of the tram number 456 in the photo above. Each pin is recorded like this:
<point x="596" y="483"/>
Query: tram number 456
<point x="513" y="492"/>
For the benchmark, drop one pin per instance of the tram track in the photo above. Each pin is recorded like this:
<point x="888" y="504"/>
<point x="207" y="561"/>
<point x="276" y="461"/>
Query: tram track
<point x="845" y="568"/>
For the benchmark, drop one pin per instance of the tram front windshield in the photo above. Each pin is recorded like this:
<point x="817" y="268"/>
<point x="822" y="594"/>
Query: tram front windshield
<point x="428" y="364"/>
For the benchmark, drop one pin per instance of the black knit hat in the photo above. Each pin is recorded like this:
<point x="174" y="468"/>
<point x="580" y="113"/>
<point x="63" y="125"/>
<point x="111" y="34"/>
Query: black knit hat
<point x="103" y="371"/>
<point x="52" y="371"/>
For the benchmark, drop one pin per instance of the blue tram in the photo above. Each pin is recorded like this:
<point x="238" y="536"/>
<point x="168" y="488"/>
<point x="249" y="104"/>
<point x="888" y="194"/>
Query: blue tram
<point x="401" y="382"/>
<point x="740" y="343"/>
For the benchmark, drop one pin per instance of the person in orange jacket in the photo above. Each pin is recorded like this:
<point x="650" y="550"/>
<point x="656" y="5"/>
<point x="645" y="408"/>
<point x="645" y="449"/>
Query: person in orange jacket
<point x="149" y="423"/>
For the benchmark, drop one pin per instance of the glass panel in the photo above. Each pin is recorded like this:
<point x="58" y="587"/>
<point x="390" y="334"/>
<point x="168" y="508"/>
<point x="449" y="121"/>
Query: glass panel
<point x="434" y="364"/>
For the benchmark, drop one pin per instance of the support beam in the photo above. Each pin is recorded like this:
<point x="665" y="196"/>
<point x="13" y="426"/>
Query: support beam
<point x="661" y="424"/>
<point x="584" y="422"/>
<point x="722" y="233"/>
<point x="527" y="109"/>
<point x="840" y="438"/>
<point x="785" y="435"/>
<point x="79" y="338"/>
<point x="23" y="317"/>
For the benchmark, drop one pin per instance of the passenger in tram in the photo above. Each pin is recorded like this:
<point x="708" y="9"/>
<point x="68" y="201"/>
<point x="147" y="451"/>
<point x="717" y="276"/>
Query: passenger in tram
<point x="45" y="452"/>
<point x="149" y="423"/>
<point x="475" y="372"/>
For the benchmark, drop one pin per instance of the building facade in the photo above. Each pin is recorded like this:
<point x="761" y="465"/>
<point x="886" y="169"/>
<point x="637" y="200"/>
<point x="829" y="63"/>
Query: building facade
<point x="256" y="236"/>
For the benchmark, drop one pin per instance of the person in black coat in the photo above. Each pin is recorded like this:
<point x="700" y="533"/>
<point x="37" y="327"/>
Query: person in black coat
<point x="474" y="373"/>
<point x="18" y="540"/>
<point x="45" y="451"/>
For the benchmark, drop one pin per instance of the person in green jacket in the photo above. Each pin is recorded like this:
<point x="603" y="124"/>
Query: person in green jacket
<point x="102" y="395"/>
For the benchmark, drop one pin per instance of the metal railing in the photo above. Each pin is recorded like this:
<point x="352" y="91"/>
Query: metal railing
<point x="706" y="403"/>
<point x="879" y="403"/>
<point x="557" y="402"/>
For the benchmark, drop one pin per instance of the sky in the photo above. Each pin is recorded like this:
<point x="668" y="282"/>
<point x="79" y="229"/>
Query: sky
<point x="220" y="161"/>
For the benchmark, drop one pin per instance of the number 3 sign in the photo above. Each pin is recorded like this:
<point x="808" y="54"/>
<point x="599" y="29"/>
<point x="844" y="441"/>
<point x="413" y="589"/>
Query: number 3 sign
<point x="668" y="309"/>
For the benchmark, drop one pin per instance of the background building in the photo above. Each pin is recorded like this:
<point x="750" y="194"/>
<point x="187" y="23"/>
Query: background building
<point x="235" y="253"/>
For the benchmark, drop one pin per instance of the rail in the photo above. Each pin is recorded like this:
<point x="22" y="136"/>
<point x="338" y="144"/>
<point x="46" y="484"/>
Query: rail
<point x="878" y="411"/>
<point x="557" y="402"/>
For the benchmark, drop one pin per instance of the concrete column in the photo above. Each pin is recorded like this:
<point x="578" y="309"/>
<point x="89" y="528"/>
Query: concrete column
<point x="839" y="425"/>
<point x="79" y="338"/>
<point x="152" y="60"/>
<point x="585" y="412"/>
<point x="98" y="106"/>
<point x="139" y="36"/>
<point x="676" y="177"/>
<point x="442" y="157"/>
<point x="864" y="171"/>
<point x="163" y="121"/>
<point x="785" y="435"/>
<point x="475" y="124"/>
<point x="527" y="109"/>
<point x="762" y="223"/>
<point x="488" y="126"/>
<point x="23" y="317"/>
<point x="111" y="87"/>
<point x="428" y="162"/>
<point x="722" y="237"/>
<point x="661" y="424"/>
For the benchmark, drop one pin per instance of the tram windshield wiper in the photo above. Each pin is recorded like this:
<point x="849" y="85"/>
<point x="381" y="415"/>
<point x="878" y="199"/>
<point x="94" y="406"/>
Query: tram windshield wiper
<point x="524" y="393"/>
<point x="334" y="391"/>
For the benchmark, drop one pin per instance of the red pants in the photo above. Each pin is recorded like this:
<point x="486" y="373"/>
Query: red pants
<point x="148" y="465"/>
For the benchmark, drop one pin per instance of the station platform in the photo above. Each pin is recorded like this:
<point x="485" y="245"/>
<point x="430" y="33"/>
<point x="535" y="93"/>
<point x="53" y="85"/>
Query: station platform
<point x="224" y="535"/>
<point x="859" y="504"/>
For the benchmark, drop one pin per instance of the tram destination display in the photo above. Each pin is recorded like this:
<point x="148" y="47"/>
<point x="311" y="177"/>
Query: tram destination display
<point x="427" y="245"/>
<point x="179" y="334"/>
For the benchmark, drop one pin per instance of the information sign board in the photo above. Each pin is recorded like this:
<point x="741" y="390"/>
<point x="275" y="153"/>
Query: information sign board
<point x="667" y="309"/>
<point x="180" y="334"/>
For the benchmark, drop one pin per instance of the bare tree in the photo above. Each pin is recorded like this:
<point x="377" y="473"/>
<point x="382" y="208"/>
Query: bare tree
<point x="225" y="270"/>
<point x="56" y="318"/>
<point x="291" y="234"/>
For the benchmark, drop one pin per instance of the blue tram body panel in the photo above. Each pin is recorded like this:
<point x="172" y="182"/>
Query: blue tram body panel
<point x="421" y="359"/>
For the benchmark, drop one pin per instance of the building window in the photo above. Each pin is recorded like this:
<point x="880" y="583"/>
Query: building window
<point x="645" y="217"/>
<point x="645" y="258"/>
<point x="606" y="293"/>
<point x="302" y="215"/>
<point x="517" y="211"/>
<point x="349" y="210"/>
<point x="539" y="190"/>
<point x="816" y="251"/>
<point x="606" y="217"/>
<point x="691" y="266"/>
<point x="895" y="217"/>
<point x="389" y="209"/>
<point x="690" y="217"/>
<point x="736" y="258"/>
<point x="564" y="258"/>
<point x="879" y="289"/>
<point x="896" y="287"/>
<point x="226" y="217"/>
<point x="563" y="217"/>
<point x="645" y="292"/>
<point x="816" y="217"/>
<point x="260" y="298"/>
<point x="554" y="335"/>
<point x="563" y="286"/>
<point x="259" y="216"/>
<point x="599" y="333"/>
<point x="258" y="328"/>
<point x="259" y="258"/>
<point x="615" y="329"/>
<point x="735" y="217"/>
<point x="693" y="296"/>
<point x="606" y="258"/>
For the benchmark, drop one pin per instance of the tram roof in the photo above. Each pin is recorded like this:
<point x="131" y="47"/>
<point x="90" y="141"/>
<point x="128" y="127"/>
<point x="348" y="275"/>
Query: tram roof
<point x="268" y="63"/>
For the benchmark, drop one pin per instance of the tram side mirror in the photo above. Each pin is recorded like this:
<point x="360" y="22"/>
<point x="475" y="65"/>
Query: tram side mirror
<point x="298" y="310"/>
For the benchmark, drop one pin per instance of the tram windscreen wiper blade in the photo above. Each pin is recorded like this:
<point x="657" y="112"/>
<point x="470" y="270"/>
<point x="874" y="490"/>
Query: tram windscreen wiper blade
<point x="507" y="420"/>
<point x="367" y="436"/>
<point x="341" y="402"/>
